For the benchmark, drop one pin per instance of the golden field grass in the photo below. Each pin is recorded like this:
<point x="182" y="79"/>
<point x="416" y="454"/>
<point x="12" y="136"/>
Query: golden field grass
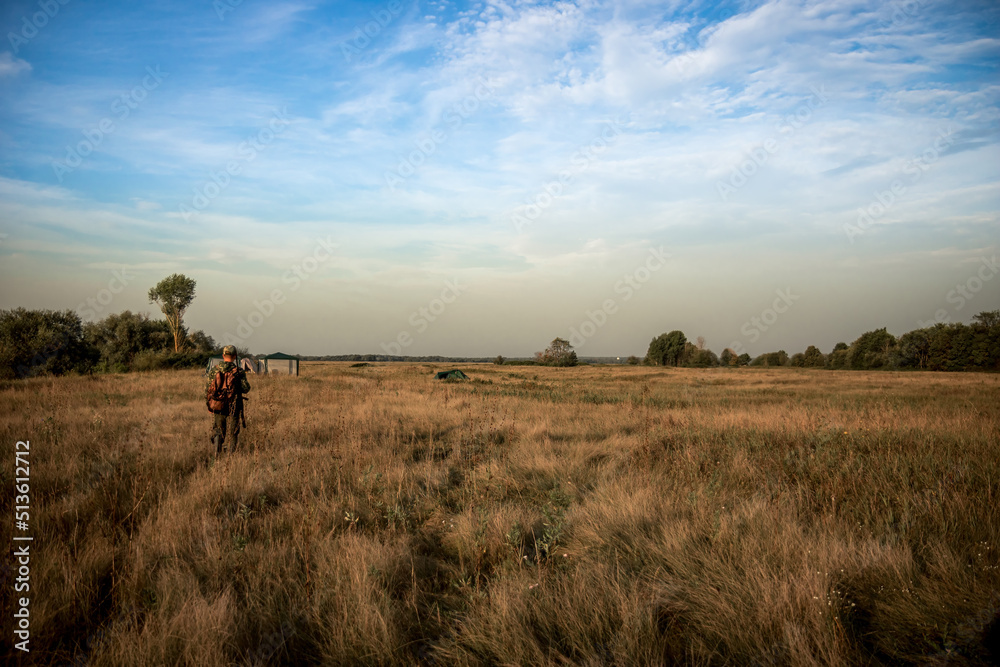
<point x="532" y="515"/>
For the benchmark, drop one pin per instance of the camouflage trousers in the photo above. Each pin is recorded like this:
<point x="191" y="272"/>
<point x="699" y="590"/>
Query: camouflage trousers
<point x="226" y="429"/>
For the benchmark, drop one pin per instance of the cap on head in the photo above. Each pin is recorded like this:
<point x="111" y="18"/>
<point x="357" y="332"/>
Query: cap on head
<point x="229" y="351"/>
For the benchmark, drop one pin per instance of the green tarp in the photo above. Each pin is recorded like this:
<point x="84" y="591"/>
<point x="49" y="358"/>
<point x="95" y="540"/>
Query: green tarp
<point x="451" y="375"/>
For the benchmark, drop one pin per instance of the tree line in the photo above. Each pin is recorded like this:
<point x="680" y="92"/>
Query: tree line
<point x="943" y="347"/>
<point x="38" y="342"/>
<point x="41" y="342"/>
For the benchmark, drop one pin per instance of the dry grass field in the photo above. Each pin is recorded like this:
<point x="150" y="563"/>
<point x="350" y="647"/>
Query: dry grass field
<point x="531" y="515"/>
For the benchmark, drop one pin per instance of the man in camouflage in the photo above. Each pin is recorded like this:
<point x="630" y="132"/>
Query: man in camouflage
<point x="227" y="410"/>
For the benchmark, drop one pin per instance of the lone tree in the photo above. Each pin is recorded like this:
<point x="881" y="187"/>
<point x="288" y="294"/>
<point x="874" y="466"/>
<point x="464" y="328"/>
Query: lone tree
<point x="174" y="294"/>
<point x="666" y="349"/>
<point x="558" y="353"/>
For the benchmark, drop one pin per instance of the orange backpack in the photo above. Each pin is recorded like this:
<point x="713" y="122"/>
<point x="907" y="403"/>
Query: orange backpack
<point x="222" y="390"/>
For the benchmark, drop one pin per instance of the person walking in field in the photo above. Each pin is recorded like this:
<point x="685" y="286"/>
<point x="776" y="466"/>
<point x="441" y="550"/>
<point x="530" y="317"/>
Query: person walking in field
<point x="227" y="383"/>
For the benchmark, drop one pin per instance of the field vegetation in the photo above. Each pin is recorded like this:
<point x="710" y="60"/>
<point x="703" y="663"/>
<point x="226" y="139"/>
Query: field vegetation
<point x="592" y="515"/>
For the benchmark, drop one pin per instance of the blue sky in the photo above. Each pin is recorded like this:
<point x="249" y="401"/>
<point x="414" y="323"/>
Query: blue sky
<point x="479" y="178"/>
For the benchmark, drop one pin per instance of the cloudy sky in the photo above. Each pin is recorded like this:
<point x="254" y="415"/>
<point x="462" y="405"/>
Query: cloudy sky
<point x="479" y="178"/>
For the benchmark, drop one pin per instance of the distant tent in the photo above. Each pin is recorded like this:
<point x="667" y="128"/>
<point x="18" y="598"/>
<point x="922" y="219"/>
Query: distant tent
<point x="279" y="364"/>
<point x="451" y="375"/>
<point x="248" y="364"/>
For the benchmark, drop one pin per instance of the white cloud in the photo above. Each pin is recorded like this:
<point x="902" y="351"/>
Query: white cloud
<point x="11" y="66"/>
<point x="268" y="22"/>
<point x="699" y="95"/>
<point x="14" y="189"/>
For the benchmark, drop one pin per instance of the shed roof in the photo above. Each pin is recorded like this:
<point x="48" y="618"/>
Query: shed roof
<point x="279" y="355"/>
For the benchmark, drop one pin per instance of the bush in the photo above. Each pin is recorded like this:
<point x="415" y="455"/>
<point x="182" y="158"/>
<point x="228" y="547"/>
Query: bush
<point x="38" y="342"/>
<point x="154" y="360"/>
<point x="702" y="359"/>
<point x="119" y="337"/>
<point x="558" y="353"/>
<point x="122" y="337"/>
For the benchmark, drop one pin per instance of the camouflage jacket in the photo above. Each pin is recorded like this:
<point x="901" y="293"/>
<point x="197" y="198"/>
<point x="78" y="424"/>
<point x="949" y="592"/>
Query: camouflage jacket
<point x="225" y="367"/>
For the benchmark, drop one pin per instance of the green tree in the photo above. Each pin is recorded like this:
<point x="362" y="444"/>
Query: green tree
<point x="632" y="360"/>
<point x="558" y="353"/>
<point x="688" y="356"/>
<point x="871" y="350"/>
<point x="128" y="340"/>
<point x="36" y="342"/>
<point x="914" y="349"/>
<point x="938" y="347"/>
<point x="697" y="357"/>
<point x="989" y="319"/>
<point x="119" y="337"/>
<point x="838" y="356"/>
<point x="201" y="342"/>
<point x="813" y="358"/>
<point x="779" y="358"/>
<point x="704" y="359"/>
<point x="960" y="356"/>
<point x="667" y="349"/>
<point x="174" y="294"/>
<point x="986" y="346"/>
<point x="499" y="360"/>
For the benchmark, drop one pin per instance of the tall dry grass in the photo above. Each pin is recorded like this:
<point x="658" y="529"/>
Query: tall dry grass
<point x="593" y="516"/>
